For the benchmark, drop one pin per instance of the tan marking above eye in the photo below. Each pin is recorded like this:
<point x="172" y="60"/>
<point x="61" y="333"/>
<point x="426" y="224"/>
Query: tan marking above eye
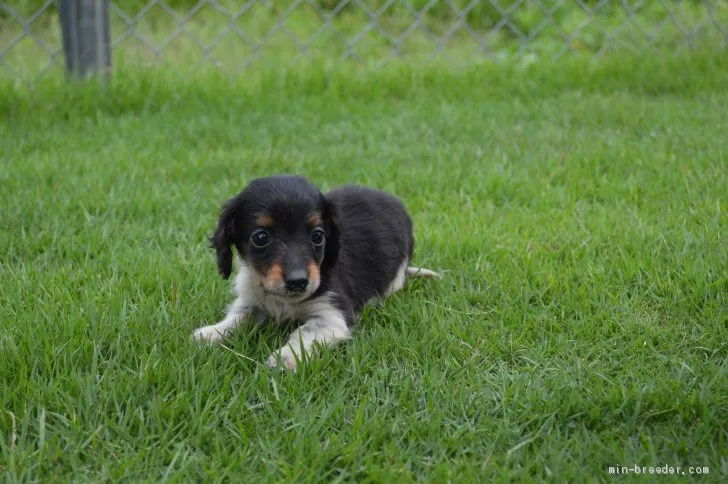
<point x="314" y="220"/>
<point x="264" y="221"/>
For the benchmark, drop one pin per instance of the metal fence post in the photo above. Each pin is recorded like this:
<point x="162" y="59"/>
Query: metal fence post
<point x="86" y="37"/>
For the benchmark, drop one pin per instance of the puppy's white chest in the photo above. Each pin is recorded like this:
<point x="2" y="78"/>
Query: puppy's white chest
<point x="279" y="310"/>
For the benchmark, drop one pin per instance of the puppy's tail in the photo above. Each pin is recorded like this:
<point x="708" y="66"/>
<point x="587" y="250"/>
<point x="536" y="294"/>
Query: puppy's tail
<point x="420" y="272"/>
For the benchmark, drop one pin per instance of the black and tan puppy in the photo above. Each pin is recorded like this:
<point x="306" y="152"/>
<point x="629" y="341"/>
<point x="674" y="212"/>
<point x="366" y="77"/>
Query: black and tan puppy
<point x="311" y="258"/>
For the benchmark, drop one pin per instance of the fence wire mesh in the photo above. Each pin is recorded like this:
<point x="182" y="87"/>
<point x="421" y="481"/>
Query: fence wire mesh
<point x="233" y="35"/>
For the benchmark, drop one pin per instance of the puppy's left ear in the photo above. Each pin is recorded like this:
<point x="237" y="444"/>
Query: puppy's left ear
<point x="222" y="240"/>
<point x="331" y="221"/>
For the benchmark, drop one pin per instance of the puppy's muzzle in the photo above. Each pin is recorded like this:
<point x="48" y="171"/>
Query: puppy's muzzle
<point x="296" y="280"/>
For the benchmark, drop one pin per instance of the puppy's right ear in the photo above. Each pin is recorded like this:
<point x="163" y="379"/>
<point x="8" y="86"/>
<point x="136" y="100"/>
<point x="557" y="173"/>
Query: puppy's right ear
<point x="222" y="240"/>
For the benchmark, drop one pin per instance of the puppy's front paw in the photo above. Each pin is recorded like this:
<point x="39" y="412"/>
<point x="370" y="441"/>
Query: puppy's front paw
<point x="208" y="334"/>
<point x="286" y="355"/>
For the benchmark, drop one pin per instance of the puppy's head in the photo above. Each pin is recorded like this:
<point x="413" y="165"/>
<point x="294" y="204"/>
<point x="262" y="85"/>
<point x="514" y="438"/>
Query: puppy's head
<point x="285" y="230"/>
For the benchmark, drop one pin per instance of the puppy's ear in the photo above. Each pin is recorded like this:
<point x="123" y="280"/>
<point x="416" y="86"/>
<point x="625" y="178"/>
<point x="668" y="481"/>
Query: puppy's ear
<point x="222" y="239"/>
<point x="331" y="221"/>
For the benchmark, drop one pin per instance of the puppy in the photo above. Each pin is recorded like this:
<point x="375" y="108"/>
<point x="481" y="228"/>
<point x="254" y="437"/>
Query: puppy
<point x="311" y="258"/>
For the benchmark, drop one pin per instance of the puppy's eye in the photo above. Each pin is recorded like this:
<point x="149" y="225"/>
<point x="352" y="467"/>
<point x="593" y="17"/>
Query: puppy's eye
<point x="260" y="238"/>
<point x="318" y="237"/>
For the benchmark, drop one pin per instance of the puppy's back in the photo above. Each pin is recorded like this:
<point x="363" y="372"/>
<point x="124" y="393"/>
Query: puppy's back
<point x="375" y="240"/>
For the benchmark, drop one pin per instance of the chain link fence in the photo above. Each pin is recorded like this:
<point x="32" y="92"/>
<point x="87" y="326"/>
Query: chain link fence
<point x="233" y="35"/>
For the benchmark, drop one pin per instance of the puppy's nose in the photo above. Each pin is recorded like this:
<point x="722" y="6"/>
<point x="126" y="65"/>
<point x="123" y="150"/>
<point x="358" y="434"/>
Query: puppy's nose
<point x="297" y="281"/>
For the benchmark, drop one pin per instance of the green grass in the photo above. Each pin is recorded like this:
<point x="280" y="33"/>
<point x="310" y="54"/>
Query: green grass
<point x="578" y="211"/>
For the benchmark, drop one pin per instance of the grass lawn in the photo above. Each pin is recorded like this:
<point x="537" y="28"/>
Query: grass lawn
<point x="577" y="210"/>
